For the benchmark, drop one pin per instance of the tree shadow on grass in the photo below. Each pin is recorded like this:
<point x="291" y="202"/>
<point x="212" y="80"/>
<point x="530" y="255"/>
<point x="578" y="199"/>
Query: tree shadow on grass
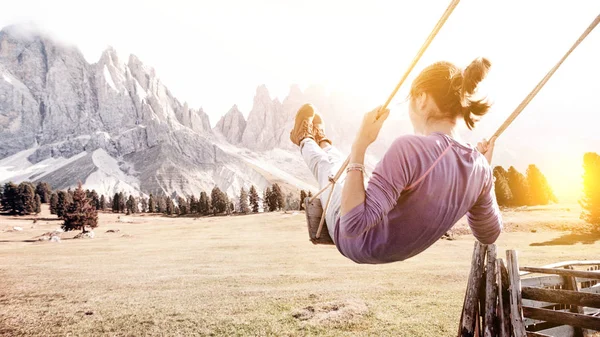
<point x="5" y="241"/>
<point x="588" y="238"/>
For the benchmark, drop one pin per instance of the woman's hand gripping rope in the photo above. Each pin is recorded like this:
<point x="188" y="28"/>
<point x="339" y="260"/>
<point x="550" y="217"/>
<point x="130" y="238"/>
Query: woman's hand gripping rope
<point x="370" y="127"/>
<point x="486" y="148"/>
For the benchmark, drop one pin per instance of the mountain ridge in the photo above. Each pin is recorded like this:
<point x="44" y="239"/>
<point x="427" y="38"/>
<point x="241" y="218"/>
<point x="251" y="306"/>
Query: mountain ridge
<point x="124" y="129"/>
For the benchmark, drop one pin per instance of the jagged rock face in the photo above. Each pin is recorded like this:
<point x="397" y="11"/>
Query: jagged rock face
<point x="265" y="121"/>
<point x="116" y="121"/>
<point x="232" y="125"/>
<point x="49" y="93"/>
<point x="269" y="122"/>
<point x="115" y="126"/>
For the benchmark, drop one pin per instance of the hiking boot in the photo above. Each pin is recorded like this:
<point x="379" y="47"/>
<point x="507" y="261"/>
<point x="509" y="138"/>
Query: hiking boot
<point x="303" y="127"/>
<point x="319" y="130"/>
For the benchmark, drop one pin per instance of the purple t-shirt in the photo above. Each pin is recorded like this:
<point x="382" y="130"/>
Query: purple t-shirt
<point x="421" y="187"/>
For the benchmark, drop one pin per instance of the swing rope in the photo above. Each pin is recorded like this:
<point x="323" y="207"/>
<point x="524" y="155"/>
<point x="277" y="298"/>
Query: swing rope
<point x="333" y="180"/>
<point x="501" y="129"/>
<point x="539" y="86"/>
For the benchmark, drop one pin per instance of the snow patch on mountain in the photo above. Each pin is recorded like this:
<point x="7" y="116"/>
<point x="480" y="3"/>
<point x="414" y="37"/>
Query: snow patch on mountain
<point x="109" y="79"/>
<point x="18" y="168"/>
<point x="109" y="178"/>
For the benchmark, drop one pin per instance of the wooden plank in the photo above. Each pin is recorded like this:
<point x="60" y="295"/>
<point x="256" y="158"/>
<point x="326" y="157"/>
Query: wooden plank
<point x="543" y="281"/>
<point x="536" y="334"/>
<point x="594" y="289"/>
<point x="568" y="263"/>
<point x="571" y="284"/>
<point x="537" y="304"/>
<point x="503" y="299"/>
<point x="595" y="275"/>
<point x="559" y="331"/>
<point x="515" y="294"/>
<point x="544" y="326"/>
<point x="586" y="283"/>
<point x="469" y="318"/>
<point x="491" y="294"/>
<point x="567" y="318"/>
<point x="548" y="281"/>
<point x="562" y="296"/>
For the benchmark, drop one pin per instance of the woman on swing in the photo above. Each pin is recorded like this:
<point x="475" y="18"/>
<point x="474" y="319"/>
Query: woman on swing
<point x="423" y="184"/>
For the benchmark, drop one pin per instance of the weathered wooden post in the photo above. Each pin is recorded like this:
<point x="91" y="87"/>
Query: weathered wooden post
<point x="516" y="305"/>
<point x="504" y="327"/>
<point x="470" y="316"/>
<point x="571" y="284"/>
<point x="491" y="294"/>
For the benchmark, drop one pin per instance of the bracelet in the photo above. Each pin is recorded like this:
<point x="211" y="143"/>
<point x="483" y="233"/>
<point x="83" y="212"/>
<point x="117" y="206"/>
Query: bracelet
<point x="355" y="167"/>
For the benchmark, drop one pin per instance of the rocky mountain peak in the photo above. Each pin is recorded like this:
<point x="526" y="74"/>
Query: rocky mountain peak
<point x="262" y="93"/>
<point x="110" y="56"/>
<point x="25" y="32"/>
<point x="295" y="91"/>
<point x="232" y="125"/>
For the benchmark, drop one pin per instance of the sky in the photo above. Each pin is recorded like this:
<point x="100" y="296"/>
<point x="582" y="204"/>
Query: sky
<point x="213" y="54"/>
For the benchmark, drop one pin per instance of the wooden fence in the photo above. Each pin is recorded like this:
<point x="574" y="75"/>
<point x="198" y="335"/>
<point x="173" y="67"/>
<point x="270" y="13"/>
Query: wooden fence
<point x="506" y="300"/>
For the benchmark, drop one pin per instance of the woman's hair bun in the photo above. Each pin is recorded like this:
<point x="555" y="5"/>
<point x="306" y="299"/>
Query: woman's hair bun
<point x="475" y="73"/>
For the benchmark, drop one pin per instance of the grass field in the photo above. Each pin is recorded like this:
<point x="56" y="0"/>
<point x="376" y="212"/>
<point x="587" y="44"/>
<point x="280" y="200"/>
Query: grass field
<point x="247" y="275"/>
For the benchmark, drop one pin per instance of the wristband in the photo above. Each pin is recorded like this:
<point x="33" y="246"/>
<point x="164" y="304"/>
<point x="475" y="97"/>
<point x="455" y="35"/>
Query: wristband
<point x="355" y="167"/>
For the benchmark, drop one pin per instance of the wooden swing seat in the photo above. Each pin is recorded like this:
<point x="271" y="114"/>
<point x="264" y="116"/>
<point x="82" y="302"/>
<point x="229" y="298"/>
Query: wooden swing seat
<point x="314" y="212"/>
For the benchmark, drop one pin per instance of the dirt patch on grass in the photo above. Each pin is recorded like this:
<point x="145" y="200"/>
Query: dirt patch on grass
<point x="334" y="313"/>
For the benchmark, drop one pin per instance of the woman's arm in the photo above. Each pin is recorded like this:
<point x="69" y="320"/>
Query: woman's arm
<point x="362" y="209"/>
<point x="353" y="193"/>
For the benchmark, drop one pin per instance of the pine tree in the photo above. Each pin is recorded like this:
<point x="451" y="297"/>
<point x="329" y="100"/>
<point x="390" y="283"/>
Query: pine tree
<point x="244" y="207"/>
<point x="183" y="206"/>
<point x="280" y="197"/>
<point x="161" y="204"/>
<point x="81" y="213"/>
<point x="302" y="197"/>
<point x="10" y="198"/>
<point x="144" y="205"/>
<point x="44" y="190"/>
<point x="219" y="201"/>
<point x="63" y="203"/>
<point x="131" y="205"/>
<point x="267" y="200"/>
<point x="53" y="203"/>
<point x="102" y="203"/>
<point x="170" y="207"/>
<point x="27" y="196"/>
<point x="151" y="205"/>
<point x="591" y="190"/>
<point x="116" y="202"/>
<point x="38" y="204"/>
<point x="122" y="202"/>
<point x="193" y="205"/>
<point x="540" y="191"/>
<point x="254" y="199"/>
<point x="502" y="189"/>
<point x="519" y="187"/>
<point x="203" y="204"/>
<point x="94" y="199"/>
